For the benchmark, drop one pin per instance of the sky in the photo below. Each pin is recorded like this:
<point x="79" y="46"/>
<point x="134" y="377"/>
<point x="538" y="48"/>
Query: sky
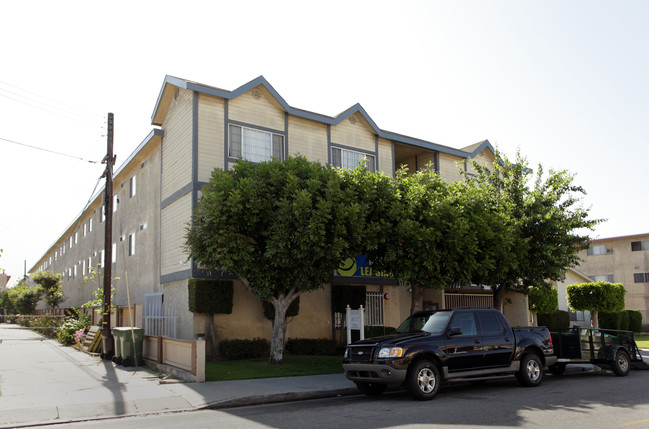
<point x="563" y="82"/>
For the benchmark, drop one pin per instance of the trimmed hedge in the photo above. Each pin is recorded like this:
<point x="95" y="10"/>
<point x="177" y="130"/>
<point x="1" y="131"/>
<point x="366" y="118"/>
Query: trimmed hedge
<point x="210" y="296"/>
<point x="293" y="309"/>
<point x="557" y="321"/>
<point x="244" y="349"/>
<point x="635" y="321"/>
<point x="311" y="346"/>
<point x="344" y="295"/>
<point x="618" y="320"/>
<point x="543" y="299"/>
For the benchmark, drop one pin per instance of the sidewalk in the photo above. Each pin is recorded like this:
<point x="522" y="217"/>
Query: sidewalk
<point x="42" y="381"/>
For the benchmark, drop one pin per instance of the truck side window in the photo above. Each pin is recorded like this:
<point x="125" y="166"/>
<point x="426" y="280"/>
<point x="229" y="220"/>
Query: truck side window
<point x="490" y="323"/>
<point x="465" y="321"/>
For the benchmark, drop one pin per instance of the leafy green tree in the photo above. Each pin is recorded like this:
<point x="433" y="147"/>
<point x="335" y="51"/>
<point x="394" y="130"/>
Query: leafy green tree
<point x="281" y="227"/>
<point x="543" y="299"/>
<point x="22" y="299"/>
<point x="51" y="286"/>
<point x="595" y="297"/>
<point x="543" y="223"/>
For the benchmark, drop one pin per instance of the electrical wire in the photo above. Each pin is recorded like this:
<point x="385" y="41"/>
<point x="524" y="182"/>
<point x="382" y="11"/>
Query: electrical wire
<point x="48" y="150"/>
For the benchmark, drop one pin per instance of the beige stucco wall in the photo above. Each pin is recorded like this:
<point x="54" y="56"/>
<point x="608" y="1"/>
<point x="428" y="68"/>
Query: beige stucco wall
<point x="515" y="309"/>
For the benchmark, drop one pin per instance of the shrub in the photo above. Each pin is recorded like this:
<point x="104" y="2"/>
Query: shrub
<point x="244" y="349"/>
<point x="311" y="346"/>
<point x="543" y="300"/>
<point x="74" y="322"/>
<point x="210" y="296"/>
<point x="614" y="320"/>
<point x="557" y="321"/>
<point x="635" y="320"/>
<point x="45" y="325"/>
<point x="378" y="331"/>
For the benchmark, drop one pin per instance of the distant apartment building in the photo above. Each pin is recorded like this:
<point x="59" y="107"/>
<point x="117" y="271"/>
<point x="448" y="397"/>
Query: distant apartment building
<point x="200" y="128"/>
<point x="622" y="260"/>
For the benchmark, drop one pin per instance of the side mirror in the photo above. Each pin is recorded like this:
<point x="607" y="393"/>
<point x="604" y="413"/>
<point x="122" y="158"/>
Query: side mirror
<point x="454" y="331"/>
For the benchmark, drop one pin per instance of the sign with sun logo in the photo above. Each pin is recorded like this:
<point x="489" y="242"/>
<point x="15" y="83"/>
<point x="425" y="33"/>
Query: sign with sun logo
<point x="359" y="266"/>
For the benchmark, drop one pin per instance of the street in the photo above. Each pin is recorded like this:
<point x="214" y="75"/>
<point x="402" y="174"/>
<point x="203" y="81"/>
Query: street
<point x="575" y="400"/>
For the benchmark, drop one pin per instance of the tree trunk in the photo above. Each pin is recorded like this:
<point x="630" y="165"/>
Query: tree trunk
<point x="417" y="298"/>
<point x="499" y="294"/>
<point x="594" y="319"/>
<point x="281" y="304"/>
<point x="212" y="337"/>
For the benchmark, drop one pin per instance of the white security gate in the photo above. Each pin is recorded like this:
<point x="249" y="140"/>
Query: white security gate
<point x="156" y="322"/>
<point x="454" y="300"/>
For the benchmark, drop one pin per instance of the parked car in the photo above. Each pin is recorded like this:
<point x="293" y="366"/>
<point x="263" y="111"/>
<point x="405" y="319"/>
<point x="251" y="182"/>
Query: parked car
<point x="433" y="347"/>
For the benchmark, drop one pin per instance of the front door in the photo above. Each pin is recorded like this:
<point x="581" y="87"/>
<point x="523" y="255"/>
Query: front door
<point x="465" y="351"/>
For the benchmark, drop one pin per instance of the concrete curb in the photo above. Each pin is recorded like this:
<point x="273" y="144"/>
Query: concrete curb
<point x="279" y="397"/>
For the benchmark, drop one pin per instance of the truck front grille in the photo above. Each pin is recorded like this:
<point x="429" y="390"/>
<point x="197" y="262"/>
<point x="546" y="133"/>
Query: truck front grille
<point x="361" y="354"/>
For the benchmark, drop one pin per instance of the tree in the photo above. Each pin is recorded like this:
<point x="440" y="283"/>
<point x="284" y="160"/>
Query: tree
<point x="542" y="300"/>
<point x="595" y="297"/>
<point x="51" y="286"/>
<point x="281" y="227"/>
<point x="21" y="298"/>
<point x="418" y="229"/>
<point x="543" y="224"/>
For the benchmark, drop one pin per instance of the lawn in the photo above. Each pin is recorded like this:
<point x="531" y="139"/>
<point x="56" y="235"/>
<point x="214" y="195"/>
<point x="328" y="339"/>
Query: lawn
<point x="642" y="340"/>
<point x="260" y="368"/>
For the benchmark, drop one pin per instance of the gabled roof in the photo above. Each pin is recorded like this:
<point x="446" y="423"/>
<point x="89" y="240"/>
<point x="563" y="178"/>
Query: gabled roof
<point x="166" y="93"/>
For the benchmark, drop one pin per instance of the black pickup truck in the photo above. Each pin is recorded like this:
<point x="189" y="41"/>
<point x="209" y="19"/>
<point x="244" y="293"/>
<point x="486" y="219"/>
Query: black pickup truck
<point x="463" y="344"/>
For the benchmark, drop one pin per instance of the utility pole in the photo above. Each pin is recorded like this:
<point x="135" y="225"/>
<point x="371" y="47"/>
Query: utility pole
<point x="108" y="346"/>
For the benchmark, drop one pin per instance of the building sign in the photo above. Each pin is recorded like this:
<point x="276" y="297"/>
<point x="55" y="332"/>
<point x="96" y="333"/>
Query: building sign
<point x="358" y="267"/>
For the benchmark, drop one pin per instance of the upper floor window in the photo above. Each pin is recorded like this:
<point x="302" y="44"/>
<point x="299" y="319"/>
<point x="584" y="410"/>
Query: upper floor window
<point x="639" y="245"/>
<point x="350" y="159"/>
<point x="102" y="218"/>
<point x="90" y="225"/>
<point x="85" y="229"/>
<point x="601" y="249"/>
<point x="605" y="278"/>
<point x="115" y="202"/>
<point x="641" y="278"/>
<point x="255" y="145"/>
<point x="131" y="244"/>
<point x="132" y="186"/>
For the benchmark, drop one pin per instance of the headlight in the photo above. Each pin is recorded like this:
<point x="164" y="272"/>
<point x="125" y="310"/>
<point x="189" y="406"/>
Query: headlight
<point x="393" y="352"/>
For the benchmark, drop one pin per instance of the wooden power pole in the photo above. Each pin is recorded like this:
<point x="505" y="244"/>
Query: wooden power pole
<point x="108" y="345"/>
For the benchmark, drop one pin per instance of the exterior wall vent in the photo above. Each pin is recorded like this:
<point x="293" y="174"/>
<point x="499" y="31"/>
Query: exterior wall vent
<point x="353" y="119"/>
<point x="256" y="94"/>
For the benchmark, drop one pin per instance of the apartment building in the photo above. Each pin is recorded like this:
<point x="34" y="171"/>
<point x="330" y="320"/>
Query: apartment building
<point x="200" y="128"/>
<point x="622" y="260"/>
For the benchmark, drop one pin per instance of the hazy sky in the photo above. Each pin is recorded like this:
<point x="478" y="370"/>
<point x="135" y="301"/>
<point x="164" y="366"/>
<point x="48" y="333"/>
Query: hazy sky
<point x="566" y="82"/>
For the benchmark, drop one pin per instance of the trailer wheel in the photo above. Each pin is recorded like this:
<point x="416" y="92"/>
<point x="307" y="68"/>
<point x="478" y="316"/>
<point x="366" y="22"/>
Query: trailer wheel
<point x="423" y="380"/>
<point x="371" y="389"/>
<point x="621" y="365"/>
<point x="531" y="371"/>
<point x="558" y="368"/>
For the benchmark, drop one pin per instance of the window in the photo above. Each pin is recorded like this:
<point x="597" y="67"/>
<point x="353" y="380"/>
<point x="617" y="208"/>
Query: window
<point x="604" y="278"/>
<point x="133" y="186"/>
<point x="641" y="278"/>
<point x="56" y="255"/>
<point x="466" y="322"/>
<point x="131" y="244"/>
<point x="74" y="272"/>
<point x="90" y="225"/>
<point x="83" y="267"/>
<point x="122" y="237"/>
<point x="490" y="323"/>
<point x="70" y="242"/>
<point x="601" y="249"/>
<point x="76" y="237"/>
<point x="89" y="264"/>
<point x="102" y="258"/>
<point x="85" y="229"/>
<point x="350" y="159"/>
<point x="114" y="255"/>
<point x="102" y="218"/>
<point x="143" y="226"/>
<point x="115" y="203"/>
<point x="255" y="145"/>
<point x="639" y="245"/>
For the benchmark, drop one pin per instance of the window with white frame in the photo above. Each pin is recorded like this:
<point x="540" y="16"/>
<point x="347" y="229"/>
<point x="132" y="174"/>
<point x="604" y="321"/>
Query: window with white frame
<point x="76" y="237"/>
<point x="604" y="278"/>
<point x="83" y="267"/>
<point x="71" y="242"/>
<point x="133" y="186"/>
<point x="131" y="244"/>
<point x="601" y="249"/>
<point x="102" y="218"/>
<point x="114" y="255"/>
<point x="350" y="159"/>
<point x="74" y="271"/>
<point x="637" y="246"/>
<point x="641" y="278"/>
<point x="255" y="145"/>
<point x="115" y="202"/>
<point x="85" y="229"/>
<point x="90" y="225"/>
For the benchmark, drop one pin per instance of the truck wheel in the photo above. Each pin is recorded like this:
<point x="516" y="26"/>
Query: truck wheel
<point x="531" y="372"/>
<point x="423" y="380"/>
<point x="558" y="368"/>
<point x="622" y="363"/>
<point x="371" y="389"/>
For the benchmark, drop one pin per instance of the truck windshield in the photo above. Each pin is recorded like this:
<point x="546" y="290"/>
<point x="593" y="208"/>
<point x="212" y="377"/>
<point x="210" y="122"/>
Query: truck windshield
<point x="432" y="323"/>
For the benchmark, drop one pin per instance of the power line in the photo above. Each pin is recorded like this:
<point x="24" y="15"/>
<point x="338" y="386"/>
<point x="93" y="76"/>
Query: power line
<point x="48" y="150"/>
<point x="48" y="110"/>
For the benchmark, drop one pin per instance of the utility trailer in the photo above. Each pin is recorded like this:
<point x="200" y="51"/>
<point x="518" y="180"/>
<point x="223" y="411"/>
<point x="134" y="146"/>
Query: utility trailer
<point x="605" y="348"/>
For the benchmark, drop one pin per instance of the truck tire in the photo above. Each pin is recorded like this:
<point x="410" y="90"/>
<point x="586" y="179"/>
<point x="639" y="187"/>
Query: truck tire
<point x="621" y="364"/>
<point x="531" y="372"/>
<point x="423" y="380"/>
<point x="371" y="389"/>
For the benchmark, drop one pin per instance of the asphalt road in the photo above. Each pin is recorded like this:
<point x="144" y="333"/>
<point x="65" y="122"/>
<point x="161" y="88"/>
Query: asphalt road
<point x="574" y="400"/>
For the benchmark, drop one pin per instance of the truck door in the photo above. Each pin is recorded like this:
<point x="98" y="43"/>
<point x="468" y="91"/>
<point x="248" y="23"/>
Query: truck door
<point x="497" y="339"/>
<point x="464" y="350"/>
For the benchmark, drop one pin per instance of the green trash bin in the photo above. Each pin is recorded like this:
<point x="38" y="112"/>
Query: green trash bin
<point x="118" y="337"/>
<point x="130" y="352"/>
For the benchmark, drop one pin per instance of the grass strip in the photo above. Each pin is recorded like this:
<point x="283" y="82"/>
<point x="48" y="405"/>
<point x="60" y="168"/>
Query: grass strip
<point x="292" y="365"/>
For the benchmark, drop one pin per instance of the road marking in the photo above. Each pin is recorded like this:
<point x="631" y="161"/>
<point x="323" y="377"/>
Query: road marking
<point x="636" y="423"/>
